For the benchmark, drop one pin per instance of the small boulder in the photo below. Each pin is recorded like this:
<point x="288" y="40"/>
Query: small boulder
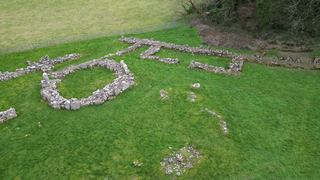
<point x="196" y="85"/>
<point x="83" y="66"/>
<point x="75" y="104"/>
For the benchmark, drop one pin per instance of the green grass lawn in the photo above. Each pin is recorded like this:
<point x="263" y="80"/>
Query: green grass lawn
<point x="272" y="115"/>
<point x="24" y="21"/>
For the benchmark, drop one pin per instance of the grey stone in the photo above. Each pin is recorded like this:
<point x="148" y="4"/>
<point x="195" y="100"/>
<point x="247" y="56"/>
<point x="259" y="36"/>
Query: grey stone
<point x="75" y="104"/>
<point x="124" y="67"/>
<point x="196" y="85"/>
<point x="169" y="170"/>
<point x="288" y="59"/>
<point x="125" y="85"/>
<point x="98" y="101"/>
<point x="192" y="97"/>
<point x="2" y="119"/>
<point x="45" y="77"/>
<point x="164" y="94"/>
<point x="83" y="66"/>
<point x="55" y="105"/>
<point x="67" y="105"/>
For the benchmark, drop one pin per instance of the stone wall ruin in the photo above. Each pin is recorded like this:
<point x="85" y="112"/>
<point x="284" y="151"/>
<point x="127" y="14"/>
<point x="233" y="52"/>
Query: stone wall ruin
<point x="50" y="93"/>
<point x="8" y="114"/>
<point x="237" y="59"/>
<point x="235" y="67"/>
<point x="45" y="64"/>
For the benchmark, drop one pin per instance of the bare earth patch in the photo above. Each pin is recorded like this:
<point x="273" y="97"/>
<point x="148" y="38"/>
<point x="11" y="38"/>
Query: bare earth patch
<point x="261" y="44"/>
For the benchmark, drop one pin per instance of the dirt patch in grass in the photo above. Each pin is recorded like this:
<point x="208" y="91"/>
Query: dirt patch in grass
<point x="217" y="37"/>
<point x="263" y="43"/>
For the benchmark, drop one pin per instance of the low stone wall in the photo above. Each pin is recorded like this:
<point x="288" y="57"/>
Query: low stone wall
<point x="155" y="46"/>
<point x="194" y="64"/>
<point x="44" y="64"/>
<point x="281" y="61"/>
<point x="235" y="67"/>
<point x="109" y="64"/>
<point x="149" y="54"/>
<point x="184" y="48"/>
<point x="50" y="93"/>
<point x="275" y="61"/>
<point x="135" y="47"/>
<point x="6" y="115"/>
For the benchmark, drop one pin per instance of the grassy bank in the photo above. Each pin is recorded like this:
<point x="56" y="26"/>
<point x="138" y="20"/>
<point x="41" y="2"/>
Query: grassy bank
<point x="31" y="21"/>
<point x="272" y="115"/>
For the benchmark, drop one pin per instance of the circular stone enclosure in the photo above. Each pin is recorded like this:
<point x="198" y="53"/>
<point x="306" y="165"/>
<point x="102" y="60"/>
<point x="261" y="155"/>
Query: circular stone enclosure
<point x="50" y="93"/>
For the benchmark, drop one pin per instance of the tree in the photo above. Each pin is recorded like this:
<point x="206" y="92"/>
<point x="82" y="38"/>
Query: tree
<point x="189" y="6"/>
<point x="294" y="15"/>
<point x="304" y="15"/>
<point x="265" y="13"/>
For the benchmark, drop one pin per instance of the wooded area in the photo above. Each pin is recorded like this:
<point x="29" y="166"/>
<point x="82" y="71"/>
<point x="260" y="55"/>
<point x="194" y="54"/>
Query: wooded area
<point x="295" y="16"/>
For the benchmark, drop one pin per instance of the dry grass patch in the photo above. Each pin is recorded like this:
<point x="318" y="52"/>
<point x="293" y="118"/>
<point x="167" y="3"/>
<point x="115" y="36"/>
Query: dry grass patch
<point x="30" y="21"/>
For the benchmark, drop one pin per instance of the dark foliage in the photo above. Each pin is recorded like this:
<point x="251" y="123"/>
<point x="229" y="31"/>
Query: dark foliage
<point x="296" y="16"/>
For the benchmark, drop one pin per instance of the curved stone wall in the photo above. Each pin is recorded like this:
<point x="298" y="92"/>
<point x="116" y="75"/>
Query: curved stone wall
<point x="50" y="93"/>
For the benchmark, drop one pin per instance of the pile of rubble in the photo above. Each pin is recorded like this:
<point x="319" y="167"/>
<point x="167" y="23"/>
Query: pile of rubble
<point x="45" y="64"/>
<point x="6" y="115"/>
<point x="180" y="161"/>
<point x="137" y="163"/>
<point x="192" y="97"/>
<point x="164" y="94"/>
<point x="124" y="80"/>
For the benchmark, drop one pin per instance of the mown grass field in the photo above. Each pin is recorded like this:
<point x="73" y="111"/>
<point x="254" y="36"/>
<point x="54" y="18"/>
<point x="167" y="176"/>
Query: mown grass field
<point x="23" y="21"/>
<point x="272" y="115"/>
